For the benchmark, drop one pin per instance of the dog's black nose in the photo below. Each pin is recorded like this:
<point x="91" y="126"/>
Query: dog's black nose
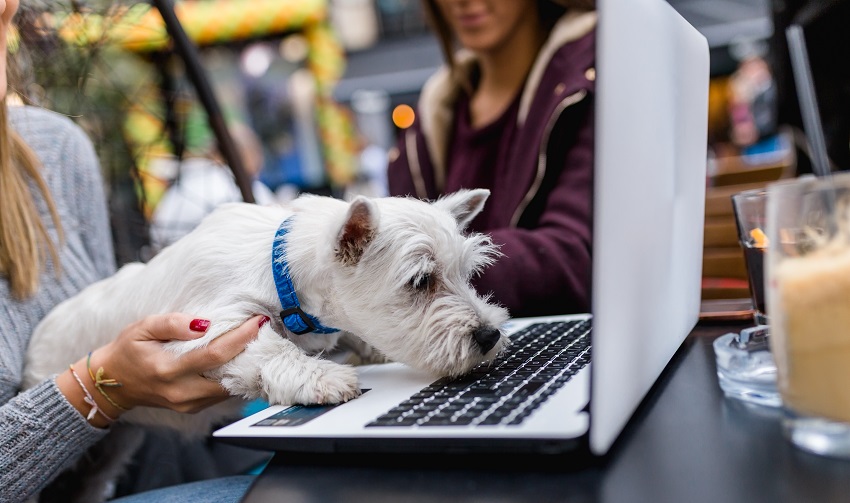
<point x="486" y="337"/>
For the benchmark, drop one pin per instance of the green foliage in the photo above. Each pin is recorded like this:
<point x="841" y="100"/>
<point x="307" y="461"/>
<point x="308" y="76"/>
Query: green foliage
<point x="93" y="84"/>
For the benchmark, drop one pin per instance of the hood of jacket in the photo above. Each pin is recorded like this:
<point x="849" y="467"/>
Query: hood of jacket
<point x="436" y="103"/>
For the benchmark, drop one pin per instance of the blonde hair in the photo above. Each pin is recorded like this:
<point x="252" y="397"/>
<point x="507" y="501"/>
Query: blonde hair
<point x="24" y="240"/>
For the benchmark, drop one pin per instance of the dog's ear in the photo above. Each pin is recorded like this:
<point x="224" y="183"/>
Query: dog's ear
<point x="464" y="205"/>
<point x="361" y="224"/>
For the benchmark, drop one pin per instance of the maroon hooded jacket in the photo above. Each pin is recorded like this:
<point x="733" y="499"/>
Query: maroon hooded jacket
<point x="539" y="210"/>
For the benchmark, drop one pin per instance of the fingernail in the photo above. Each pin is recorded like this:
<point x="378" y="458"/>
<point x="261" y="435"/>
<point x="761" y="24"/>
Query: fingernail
<point x="263" y="321"/>
<point x="199" y="325"/>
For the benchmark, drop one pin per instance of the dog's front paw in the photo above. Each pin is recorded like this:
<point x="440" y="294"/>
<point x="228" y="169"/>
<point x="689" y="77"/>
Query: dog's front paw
<point x="330" y="383"/>
<point x="318" y="382"/>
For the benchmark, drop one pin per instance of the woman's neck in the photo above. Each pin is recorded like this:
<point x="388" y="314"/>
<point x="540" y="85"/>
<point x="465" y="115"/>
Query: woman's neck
<point x="502" y="73"/>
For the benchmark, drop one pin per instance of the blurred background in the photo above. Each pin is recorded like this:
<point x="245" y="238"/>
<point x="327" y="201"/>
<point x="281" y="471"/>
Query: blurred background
<point x="314" y="92"/>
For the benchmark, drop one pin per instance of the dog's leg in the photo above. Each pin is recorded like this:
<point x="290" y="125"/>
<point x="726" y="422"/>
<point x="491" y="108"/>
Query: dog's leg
<point x="275" y="369"/>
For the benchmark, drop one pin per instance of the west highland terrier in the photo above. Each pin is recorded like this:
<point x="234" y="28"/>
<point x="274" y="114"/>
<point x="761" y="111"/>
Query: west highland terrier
<point x="391" y="272"/>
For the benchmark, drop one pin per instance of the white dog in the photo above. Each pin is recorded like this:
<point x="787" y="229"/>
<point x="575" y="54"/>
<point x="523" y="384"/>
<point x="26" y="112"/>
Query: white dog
<point x="392" y="272"/>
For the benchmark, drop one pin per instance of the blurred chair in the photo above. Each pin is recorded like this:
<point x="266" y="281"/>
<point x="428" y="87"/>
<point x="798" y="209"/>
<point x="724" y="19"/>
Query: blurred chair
<point x="723" y="269"/>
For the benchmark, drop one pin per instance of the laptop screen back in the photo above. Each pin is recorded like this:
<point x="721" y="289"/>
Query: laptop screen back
<point x="649" y="193"/>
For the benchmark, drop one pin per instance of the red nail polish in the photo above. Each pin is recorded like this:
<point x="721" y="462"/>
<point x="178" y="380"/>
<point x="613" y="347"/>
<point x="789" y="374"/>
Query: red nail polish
<point x="263" y="321"/>
<point x="199" y="325"/>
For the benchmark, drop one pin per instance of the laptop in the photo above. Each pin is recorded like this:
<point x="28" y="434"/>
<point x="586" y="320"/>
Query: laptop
<point x="649" y="192"/>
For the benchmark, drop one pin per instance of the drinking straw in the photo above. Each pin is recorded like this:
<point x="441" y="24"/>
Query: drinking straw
<point x="807" y="99"/>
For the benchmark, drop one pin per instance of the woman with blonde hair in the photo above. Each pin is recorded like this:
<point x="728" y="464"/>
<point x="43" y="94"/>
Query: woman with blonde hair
<point x="512" y="111"/>
<point x="54" y="241"/>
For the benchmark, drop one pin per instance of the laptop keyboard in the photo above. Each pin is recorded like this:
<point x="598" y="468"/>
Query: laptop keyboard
<point x="540" y="359"/>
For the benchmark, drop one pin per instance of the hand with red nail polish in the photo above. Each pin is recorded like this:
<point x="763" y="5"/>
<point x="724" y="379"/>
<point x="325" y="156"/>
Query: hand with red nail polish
<point x="151" y="376"/>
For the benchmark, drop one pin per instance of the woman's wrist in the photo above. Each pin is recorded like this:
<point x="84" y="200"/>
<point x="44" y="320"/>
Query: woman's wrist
<point x="81" y="390"/>
<point x="108" y="387"/>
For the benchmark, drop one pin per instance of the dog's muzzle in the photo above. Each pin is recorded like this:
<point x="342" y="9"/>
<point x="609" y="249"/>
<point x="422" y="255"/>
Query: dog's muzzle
<point x="486" y="338"/>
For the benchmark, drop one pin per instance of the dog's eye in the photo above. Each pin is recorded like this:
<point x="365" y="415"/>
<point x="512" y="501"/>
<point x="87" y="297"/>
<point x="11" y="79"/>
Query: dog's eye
<point x="421" y="282"/>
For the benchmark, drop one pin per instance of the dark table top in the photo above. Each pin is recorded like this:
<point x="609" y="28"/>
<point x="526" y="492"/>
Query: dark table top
<point x="685" y="443"/>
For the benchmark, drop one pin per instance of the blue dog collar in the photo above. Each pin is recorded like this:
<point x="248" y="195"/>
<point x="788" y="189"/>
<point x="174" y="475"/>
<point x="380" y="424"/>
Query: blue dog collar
<point x="296" y="320"/>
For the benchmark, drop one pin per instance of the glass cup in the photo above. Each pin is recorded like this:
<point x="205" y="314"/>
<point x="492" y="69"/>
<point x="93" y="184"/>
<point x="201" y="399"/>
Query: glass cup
<point x="808" y="298"/>
<point x="749" y="209"/>
<point x="745" y="367"/>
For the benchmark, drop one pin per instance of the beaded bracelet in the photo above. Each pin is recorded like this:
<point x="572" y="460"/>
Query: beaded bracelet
<point x="100" y="381"/>
<point x="88" y="398"/>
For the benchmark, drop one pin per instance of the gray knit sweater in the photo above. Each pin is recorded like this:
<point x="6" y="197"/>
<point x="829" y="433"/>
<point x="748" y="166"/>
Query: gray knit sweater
<point x="40" y="432"/>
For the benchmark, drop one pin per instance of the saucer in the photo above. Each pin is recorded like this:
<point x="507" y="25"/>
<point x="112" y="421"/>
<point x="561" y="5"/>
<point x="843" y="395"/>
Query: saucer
<point x="745" y="367"/>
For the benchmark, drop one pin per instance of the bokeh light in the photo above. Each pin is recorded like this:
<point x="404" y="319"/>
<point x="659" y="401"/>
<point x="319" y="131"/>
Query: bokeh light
<point x="403" y="116"/>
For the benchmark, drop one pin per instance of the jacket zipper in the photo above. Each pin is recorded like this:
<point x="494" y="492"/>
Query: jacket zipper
<point x="541" y="155"/>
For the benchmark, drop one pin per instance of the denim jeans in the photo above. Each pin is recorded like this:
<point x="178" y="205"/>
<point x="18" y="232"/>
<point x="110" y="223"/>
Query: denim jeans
<point x="220" y="490"/>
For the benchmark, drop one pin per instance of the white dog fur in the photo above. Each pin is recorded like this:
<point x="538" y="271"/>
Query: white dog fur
<point x="393" y="272"/>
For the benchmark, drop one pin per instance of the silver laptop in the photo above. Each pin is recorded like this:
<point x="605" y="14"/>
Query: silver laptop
<point x="649" y="193"/>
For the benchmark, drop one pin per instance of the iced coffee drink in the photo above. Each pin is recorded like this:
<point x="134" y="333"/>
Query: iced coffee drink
<point x="808" y="297"/>
<point x="814" y="301"/>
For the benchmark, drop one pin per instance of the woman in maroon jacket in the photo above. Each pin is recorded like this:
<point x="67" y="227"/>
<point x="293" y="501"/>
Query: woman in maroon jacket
<point x="512" y="111"/>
